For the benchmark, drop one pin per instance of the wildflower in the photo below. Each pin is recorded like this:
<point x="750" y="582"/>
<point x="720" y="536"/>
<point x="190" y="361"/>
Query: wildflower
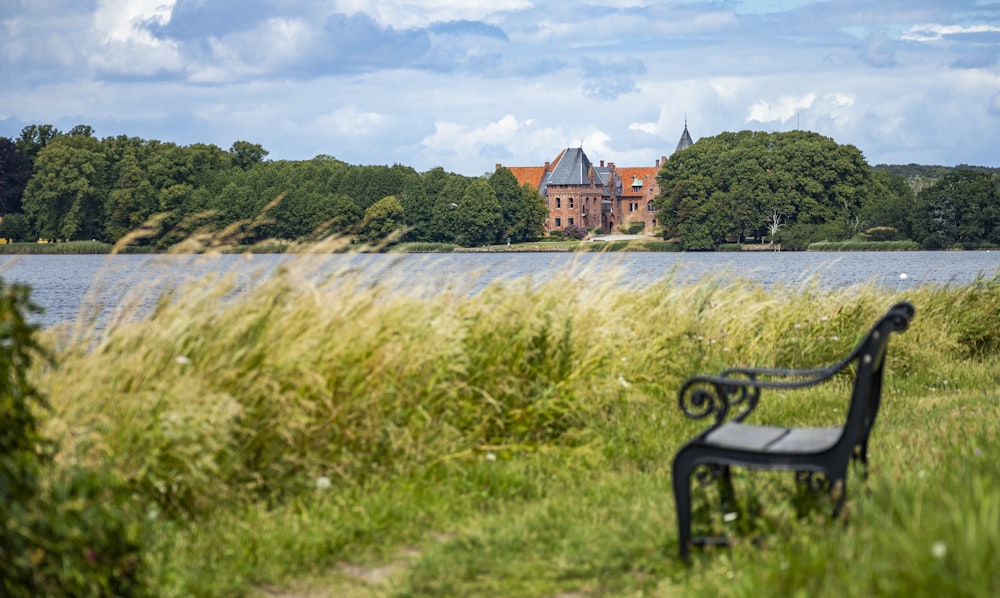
<point x="491" y="456"/>
<point x="183" y="360"/>
<point x="322" y="482"/>
<point x="824" y="319"/>
<point x="623" y="381"/>
<point x="730" y="517"/>
<point x="939" y="550"/>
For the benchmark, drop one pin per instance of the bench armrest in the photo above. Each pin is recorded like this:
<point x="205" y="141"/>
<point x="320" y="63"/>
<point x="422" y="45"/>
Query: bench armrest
<point x="739" y="389"/>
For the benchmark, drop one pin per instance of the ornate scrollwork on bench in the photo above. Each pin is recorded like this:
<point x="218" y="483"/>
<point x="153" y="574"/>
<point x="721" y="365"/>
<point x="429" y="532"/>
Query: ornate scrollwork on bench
<point x="702" y="397"/>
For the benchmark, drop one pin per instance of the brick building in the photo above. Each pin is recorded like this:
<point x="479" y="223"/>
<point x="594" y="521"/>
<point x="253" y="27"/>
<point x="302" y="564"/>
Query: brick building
<point x="597" y="196"/>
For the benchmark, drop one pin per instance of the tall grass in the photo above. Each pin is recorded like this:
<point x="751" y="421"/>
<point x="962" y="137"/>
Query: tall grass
<point x="864" y="246"/>
<point x="69" y="247"/>
<point x="334" y="432"/>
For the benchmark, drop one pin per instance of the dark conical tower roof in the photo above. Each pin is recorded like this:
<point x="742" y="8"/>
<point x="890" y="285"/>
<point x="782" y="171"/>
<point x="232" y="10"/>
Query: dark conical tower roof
<point x="685" y="141"/>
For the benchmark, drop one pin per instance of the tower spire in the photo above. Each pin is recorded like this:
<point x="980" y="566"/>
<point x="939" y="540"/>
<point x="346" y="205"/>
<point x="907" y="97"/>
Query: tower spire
<point x="685" y="140"/>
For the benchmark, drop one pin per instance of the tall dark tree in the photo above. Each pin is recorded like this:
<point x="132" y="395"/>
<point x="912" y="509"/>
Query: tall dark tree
<point x="444" y="220"/>
<point x="477" y="215"/>
<point x="417" y="210"/>
<point x="15" y="172"/>
<point x="515" y="212"/>
<point x="962" y="208"/>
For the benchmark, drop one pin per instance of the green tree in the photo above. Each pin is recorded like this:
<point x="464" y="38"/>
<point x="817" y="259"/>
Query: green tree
<point x="444" y="221"/>
<point x="15" y="172"/>
<point x="478" y="220"/>
<point x="962" y="208"/>
<point x="346" y="215"/>
<point x="17" y="228"/>
<point x="65" y="197"/>
<point x="417" y="210"/>
<point x="536" y="212"/>
<point x="891" y="204"/>
<point x="246" y="155"/>
<point x="34" y="138"/>
<point x="750" y="184"/>
<point x="522" y="213"/>
<point x="382" y="219"/>
<point x="132" y="201"/>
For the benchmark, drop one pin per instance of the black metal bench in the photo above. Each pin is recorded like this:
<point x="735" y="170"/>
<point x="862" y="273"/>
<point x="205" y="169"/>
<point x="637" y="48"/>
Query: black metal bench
<point x="819" y="456"/>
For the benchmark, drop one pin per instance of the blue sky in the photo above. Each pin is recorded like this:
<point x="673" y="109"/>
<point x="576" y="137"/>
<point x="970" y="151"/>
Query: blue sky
<point x="466" y="84"/>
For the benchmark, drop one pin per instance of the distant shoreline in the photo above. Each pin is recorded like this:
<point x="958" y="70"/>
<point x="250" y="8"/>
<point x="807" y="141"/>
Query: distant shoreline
<point x="612" y="243"/>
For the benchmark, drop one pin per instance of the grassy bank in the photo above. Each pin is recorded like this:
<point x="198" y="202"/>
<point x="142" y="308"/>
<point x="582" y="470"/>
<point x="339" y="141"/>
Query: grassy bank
<point x="864" y="246"/>
<point x="339" y="439"/>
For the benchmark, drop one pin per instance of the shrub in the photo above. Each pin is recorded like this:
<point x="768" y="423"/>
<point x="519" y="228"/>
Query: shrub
<point x="574" y="231"/>
<point x="73" y="534"/>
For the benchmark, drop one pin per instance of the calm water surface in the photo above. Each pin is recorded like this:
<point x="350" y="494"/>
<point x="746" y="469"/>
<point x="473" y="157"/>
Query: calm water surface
<point x="67" y="285"/>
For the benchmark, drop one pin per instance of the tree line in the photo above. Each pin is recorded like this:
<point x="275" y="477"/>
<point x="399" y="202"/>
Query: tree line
<point x="793" y="188"/>
<point x="73" y="186"/>
<point x="798" y="187"/>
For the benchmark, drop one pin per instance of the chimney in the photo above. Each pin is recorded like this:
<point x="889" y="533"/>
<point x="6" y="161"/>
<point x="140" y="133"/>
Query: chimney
<point x="611" y="165"/>
<point x="546" y="167"/>
<point x="602" y="163"/>
<point x="657" y="162"/>
<point x="499" y="166"/>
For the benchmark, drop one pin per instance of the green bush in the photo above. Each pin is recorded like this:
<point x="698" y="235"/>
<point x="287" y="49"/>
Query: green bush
<point x="74" y="534"/>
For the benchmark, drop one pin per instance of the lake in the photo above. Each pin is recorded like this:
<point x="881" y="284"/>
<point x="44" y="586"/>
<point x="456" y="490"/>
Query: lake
<point x="63" y="284"/>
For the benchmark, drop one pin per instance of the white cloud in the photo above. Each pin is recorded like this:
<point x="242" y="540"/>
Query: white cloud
<point x="123" y="20"/>
<point x="932" y="33"/>
<point x="840" y="99"/>
<point x="126" y="45"/>
<point x="405" y="14"/>
<point x="781" y="110"/>
<point x="649" y="128"/>
<point x="352" y="122"/>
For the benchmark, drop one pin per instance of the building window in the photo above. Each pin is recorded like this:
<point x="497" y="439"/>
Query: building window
<point x="571" y="205"/>
<point x="558" y="222"/>
<point x="558" y="203"/>
<point x="571" y="222"/>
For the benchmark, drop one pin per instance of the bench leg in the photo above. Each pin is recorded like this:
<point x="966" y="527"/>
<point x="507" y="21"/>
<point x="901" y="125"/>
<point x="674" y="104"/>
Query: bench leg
<point x="682" y="500"/>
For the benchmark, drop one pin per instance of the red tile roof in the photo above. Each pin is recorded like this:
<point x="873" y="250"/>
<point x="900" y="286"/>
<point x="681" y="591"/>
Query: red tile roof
<point x="646" y="174"/>
<point x="528" y="174"/>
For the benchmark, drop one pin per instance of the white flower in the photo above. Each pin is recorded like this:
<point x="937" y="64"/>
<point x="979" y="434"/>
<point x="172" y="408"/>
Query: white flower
<point x="322" y="482"/>
<point x="939" y="549"/>
<point x="623" y="381"/>
<point x="730" y="517"/>
<point x="491" y="456"/>
<point x="183" y="360"/>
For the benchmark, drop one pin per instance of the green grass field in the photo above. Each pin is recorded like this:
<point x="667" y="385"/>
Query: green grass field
<point x="347" y="439"/>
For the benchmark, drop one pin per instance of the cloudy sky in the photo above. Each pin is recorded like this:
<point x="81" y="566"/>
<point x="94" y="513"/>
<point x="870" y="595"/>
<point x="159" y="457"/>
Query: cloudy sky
<point x="466" y="84"/>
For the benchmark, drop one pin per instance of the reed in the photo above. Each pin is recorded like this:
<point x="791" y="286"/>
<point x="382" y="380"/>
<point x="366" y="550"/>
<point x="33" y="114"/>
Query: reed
<point x="864" y="246"/>
<point x="316" y="428"/>
<point x="69" y="247"/>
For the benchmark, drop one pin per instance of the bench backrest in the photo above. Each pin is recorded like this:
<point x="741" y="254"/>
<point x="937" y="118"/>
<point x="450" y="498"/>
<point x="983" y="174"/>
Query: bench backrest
<point x="869" y="358"/>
